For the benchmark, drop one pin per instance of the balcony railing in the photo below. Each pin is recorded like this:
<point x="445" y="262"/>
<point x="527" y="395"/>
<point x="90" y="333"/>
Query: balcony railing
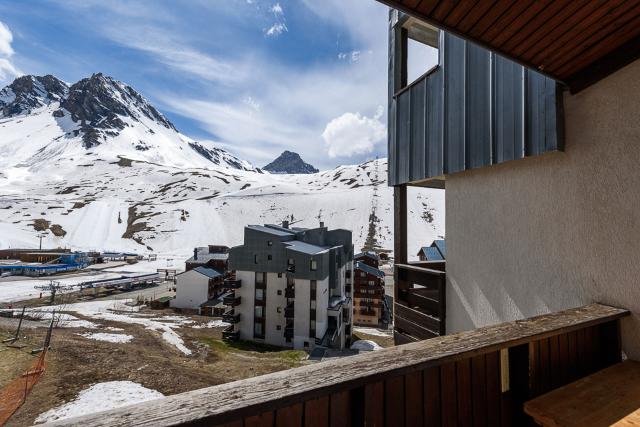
<point x="232" y="283"/>
<point x="290" y="292"/>
<point x="230" y="335"/>
<point x="231" y="317"/>
<point x="478" y="377"/>
<point x="231" y="300"/>
<point x="420" y="306"/>
<point x="289" y="311"/>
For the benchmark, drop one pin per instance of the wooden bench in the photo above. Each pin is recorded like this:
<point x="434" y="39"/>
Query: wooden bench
<point x="610" y="397"/>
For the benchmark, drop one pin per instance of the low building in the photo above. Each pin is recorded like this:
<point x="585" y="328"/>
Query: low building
<point x="212" y="256"/>
<point x="197" y="287"/>
<point x="368" y="295"/>
<point x="291" y="287"/>
<point x="436" y="252"/>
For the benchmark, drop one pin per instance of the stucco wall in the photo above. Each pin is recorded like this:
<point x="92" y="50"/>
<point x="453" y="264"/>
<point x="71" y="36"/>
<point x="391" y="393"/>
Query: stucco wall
<point x="555" y="231"/>
<point x="192" y="289"/>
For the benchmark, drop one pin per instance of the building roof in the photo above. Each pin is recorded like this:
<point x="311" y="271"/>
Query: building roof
<point x="272" y="229"/>
<point x="574" y="42"/>
<point x="431" y="253"/>
<point x="442" y="247"/>
<point x="369" y="270"/>
<point x="368" y="254"/>
<point x="209" y="272"/>
<point x="305" y="248"/>
<point x="204" y="256"/>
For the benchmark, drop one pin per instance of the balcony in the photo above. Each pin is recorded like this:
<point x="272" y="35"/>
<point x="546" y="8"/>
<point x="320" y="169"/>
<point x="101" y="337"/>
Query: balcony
<point x="291" y="268"/>
<point x="288" y="330"/>
<point x="230" y="335"/>
<point x="290" y="292"/>
<point x="347" y="274"/>
<point x="482" y="377"/>
<point x="289" y="311"/>
<point x="420" y="306"/>
<point x="347" y="287"/>
<point x="231" y="317"/>
<point x="232" y="283"/>
<point x="231" y="300"/>
<point x="367" y="312"/>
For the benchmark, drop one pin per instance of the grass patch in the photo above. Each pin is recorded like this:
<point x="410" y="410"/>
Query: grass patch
<point x="222" y="346"/>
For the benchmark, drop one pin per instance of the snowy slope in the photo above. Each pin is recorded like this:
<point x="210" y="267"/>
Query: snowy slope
<point x="168" y="196"/>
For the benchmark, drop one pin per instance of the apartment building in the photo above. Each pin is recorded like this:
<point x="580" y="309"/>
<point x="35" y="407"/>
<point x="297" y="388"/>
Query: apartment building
<point x="292" y="287"/>
<point x="368" y="295"/>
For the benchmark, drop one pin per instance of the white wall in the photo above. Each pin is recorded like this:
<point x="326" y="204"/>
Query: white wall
<point x="554" y="231"/>
<point x="247" y="296"/>
<point x="273" y="318"/>
<point x="301" y="314"/>
<point x="192" y="289"/>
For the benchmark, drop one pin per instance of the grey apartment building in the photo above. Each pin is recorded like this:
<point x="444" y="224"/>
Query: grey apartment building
<point x="292" y="287"/>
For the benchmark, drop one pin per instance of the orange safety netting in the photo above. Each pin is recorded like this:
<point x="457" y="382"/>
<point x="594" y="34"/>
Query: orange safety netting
<point x="14" y="394"/>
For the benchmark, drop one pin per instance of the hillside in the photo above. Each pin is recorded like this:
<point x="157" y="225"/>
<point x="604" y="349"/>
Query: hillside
<point x="135" y="183"/>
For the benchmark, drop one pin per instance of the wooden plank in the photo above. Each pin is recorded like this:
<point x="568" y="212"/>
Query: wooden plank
<point x="479" y="390"/>
<point x="572" y="362"/>
<point x="418" y="299"/>
<point x="544" y="366"/>
<point x="432" y="397"/>
<point x="240" y="399"/>
<point x="374" y="404"/>
<point x="290" y="416"/>
<point x="492" y="365"/>
<point x="563" y="365"/>
<point x="394" y="401"/>
<point x="519" y="22"/>
<point x="463" y="388"/>
<point x="607" y="397"/>
<point x="400" y="223"/>
<point x="264" y="419"/>
<point x="414" y="400"/>
<point x="449" y="394"/>
<point x="316" y="412"/>
<point x="414" y="315"/>
<point x="413" y="329"/>
<point x="554" y="362"/>
<point x="237" y="423"/>
<point x="340" y="409"/>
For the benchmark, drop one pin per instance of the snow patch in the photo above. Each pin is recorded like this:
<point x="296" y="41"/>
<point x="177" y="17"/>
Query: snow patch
<point x="102" y="336"/>
<point x="373" y="331"/>
<point x="365" y="345"/>
<point x="100" y="397"/>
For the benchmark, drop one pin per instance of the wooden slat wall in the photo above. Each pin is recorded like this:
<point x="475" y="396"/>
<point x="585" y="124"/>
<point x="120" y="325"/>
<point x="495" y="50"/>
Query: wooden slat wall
<point x="474" y="110"/>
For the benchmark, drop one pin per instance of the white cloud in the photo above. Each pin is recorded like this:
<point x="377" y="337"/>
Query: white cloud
<point x="277" y="9"/>
<point x="276" y="29"/>
<point x="353" y="133"/>
<point x="7" y="68"/>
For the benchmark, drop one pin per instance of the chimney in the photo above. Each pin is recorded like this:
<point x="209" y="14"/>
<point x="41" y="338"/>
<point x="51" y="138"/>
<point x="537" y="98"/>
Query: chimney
<point x="321" y="224"/>
<point x="285" y="224"/>
<point x="195" y="254"/>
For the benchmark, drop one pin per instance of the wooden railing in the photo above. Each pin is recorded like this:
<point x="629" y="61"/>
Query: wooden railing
<point x="479" y="377"/>
<point x="420" y="301"/>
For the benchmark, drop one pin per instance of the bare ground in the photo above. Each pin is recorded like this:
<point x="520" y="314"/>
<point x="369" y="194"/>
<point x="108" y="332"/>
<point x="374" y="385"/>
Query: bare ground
<point x="75" y="362"/>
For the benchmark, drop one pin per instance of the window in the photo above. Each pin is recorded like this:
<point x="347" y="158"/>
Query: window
<point x="306" y="343"/>
<point x="279" y="291"/>
<point x="255" y="258"/>
<point x="269" y="257"/>
<point x="257" y="329"/>
<point x="291" y="261"/>
<point x="278" y="327"/>
<point x="314" y="265"/>
<point x="259" y="278"/>
<point x="363" y="274"/>
<point x="278" y="309"/>
<point x="270" y="243"/>
<point x="313" y="289"/>
<point x="371" y="283"/>
<point x="280" y="275"/>
<point x="258" y="311"/>
<point x="259" y="294"/>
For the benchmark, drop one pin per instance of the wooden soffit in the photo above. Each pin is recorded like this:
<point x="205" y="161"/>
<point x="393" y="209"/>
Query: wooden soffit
<point x="577" y="42"/>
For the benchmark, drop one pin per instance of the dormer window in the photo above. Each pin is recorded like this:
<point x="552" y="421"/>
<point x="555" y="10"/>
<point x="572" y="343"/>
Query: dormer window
<point x="314" y="265"/>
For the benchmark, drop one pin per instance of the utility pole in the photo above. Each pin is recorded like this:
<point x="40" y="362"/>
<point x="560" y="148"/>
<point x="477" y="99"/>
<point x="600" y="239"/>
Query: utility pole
<point x="41" y="235"/>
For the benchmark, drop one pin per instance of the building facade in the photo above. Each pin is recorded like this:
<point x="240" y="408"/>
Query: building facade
<point x="368" y="294"/>
<point x="291" y="287"/>
<point x="197" y="290"/>
<point x="540" y="169"/>
<point x="212" y="256"/>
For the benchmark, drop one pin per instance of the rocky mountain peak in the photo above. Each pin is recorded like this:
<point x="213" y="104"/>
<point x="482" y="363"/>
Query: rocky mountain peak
<point x="289" y="162"/>
<point x="100" y="104"/>
<point x="28" y="92"/>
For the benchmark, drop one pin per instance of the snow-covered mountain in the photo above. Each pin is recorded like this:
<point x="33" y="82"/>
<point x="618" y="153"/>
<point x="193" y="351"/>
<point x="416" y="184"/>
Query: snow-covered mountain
<point x="96" y="166"/>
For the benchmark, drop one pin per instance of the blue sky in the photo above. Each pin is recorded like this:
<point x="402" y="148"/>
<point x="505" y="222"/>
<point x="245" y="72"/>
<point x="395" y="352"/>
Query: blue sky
<point x="255" y="77"/>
